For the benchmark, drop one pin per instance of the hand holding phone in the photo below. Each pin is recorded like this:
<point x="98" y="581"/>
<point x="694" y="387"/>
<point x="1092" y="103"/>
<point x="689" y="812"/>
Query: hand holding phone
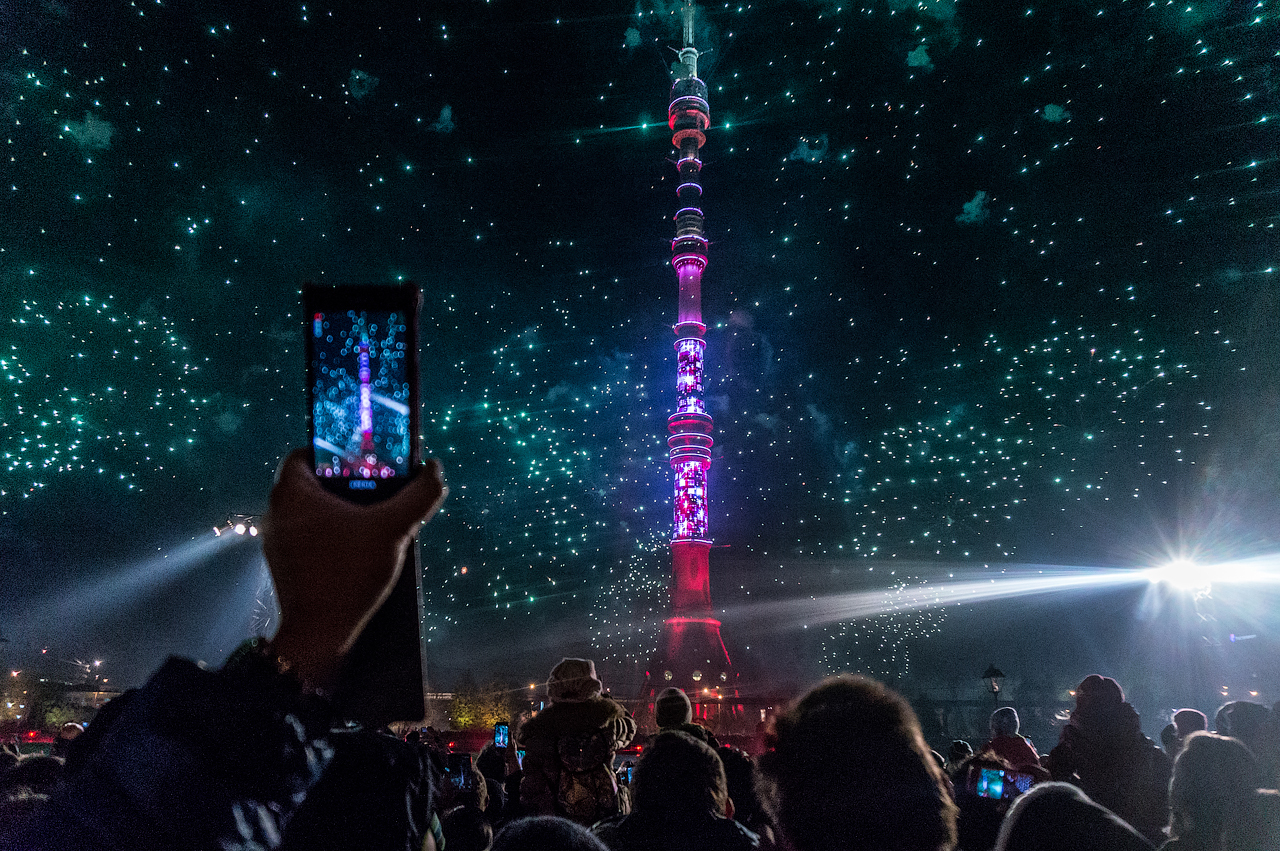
<point x="363" y="423"/>
<point x="333" y="562"/>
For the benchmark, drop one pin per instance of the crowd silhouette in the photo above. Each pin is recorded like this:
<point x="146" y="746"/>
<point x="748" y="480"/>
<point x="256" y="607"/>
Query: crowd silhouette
<point x="253" y="755"/>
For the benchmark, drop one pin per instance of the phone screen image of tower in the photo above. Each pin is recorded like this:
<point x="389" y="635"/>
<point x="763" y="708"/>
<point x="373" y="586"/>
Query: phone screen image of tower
<point x="360" y="396"/>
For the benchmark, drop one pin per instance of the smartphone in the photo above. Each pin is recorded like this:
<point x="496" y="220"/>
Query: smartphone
<point x="362" y="387"/>
<point x="990" y="783"/>
<point x="501" y="735"/>
<point x="520" y="757"/>
<point x="363" y="425"/>
<point x="458" y="771"/>
<point x="998" y="783"/>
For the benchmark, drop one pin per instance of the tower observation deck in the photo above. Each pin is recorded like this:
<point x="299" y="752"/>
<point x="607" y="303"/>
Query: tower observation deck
<point x="691" y="654"/>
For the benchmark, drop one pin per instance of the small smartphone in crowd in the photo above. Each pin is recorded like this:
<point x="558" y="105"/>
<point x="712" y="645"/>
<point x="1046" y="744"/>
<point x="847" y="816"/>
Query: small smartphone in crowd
<point x="458" y="771"/>
<point x="990" y="783"/>
<point x="520" y="757"/>
<point x="998" y="783"/>
<point x="501" y="735"/>
<point x="363" y="425"/>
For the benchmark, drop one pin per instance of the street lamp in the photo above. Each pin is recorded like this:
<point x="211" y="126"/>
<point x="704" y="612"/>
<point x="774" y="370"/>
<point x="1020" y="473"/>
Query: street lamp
<point x="993" y="676"/>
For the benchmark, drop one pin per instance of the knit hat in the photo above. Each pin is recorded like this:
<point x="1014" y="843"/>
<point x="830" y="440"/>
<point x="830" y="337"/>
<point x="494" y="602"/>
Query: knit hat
<point x="573" y="680"/>
<point x="1004" y="721"/>
<point x="1098" y="694"/>
<point x="1246" y="719"/>
<point x="1187" y="721"/>
<point x="672" y="708"/>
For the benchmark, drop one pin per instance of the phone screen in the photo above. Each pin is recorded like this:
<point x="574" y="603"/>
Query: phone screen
<point x="360" y="395"/>
<point x="458" y="769"/>
<point x="501" y="735"/>
<point x="362" y="387"/>
<point x="991" y="783"/>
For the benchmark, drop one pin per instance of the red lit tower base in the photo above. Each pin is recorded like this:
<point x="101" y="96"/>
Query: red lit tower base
<point x="691" y="654"/>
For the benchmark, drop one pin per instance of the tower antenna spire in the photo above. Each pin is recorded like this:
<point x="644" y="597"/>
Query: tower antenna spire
<point x="689" y="53"/>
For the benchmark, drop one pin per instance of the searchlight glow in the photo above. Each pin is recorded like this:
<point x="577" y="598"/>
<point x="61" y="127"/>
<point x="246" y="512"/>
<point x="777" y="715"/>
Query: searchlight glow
<point x="1183" y="574"/>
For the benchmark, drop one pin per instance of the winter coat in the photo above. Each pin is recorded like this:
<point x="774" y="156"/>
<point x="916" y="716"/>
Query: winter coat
<point x="699" y="732"/>
<point x="568" y="761"/>
<point x="233" y="758"/>
<point x="706" y="832"/>
<point x="1107" y="756"/>
<point x="1015" y="750"/>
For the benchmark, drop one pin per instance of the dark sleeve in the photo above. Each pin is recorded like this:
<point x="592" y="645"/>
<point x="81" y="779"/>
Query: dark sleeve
<point x="194" y="759"/>
<point x="609" y="831"/>
<point x="621" y="726"/>
<point x="1060" y="761"/>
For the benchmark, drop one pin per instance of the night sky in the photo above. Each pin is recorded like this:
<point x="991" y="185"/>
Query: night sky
<point x="991" y="285"/>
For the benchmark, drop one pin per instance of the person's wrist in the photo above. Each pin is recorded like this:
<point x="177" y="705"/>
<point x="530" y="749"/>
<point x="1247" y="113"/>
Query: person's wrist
<point x="311" y="656"/>
<point x="263" y="659"/>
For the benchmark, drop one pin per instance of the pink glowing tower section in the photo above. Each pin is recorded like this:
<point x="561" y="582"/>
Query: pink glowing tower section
<point x="691" y="655"/>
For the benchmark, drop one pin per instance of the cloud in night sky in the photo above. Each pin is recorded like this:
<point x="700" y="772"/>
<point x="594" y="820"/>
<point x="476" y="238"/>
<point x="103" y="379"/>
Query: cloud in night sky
<point x="92" y="133"/>
<point x="1054" y="113"/>
<point x="228" y="422"/>
<point x="919" y="58"/>
<point x="975" y="211"/>
<point x="444" y="124"/>
<point x="765" y="421"/>
<point x="821" y="422"/>
<point x="360" y="84"/>
<point x="848" y="454"/>
<point x="631" y="38"/>
<point x="810" y="153"/>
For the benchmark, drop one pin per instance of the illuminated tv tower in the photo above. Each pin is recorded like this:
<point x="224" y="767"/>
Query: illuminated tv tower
<point x="692" y="655"/>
